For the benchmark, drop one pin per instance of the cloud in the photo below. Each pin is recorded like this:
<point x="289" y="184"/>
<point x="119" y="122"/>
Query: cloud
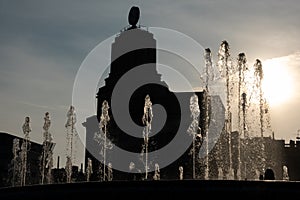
<point x="256" y="28"/>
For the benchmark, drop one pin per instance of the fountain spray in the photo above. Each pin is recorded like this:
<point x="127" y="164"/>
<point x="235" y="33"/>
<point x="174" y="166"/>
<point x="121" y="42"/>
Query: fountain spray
<point x="101" y="138"/>
<point x="258" y="73"/>
<point x="89" y="170"/>
<point x="103" y="126"/>
<point x="180" y="173"/>
<point x="16" y="164"/>
<point x="223" y="64"/>
<point x="243" y="126"/>
<point x="206" y="101"/>
<point x="242" y="67"/>
<point x="24" y="150"/>
<point x="109" y="172"/>
<point x="194" y="129"/>
<point x="71" y="134"/>
<point x="258" y="77"/>
<point x="68" y="169"/>
<point x="244" y="114"/>
<point x="267" y="115"/>
<point x="147" y="120"/>
<point x="47" y="156"/>
<point x="156" y="175"/>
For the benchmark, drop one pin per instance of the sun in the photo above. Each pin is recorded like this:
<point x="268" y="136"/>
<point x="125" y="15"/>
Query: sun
<point x="277" y="81"/>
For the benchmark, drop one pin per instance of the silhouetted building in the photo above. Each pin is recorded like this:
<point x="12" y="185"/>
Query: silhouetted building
<point x="60" y="175"/>
<point x="7" y="165"/>
<point x="134" y="48"/>
<point x="291" y="159"/>
<point x="275" y="158"/>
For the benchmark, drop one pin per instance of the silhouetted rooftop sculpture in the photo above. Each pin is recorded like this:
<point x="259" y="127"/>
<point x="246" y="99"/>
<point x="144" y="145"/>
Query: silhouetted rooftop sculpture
<point x="133" y="17"/>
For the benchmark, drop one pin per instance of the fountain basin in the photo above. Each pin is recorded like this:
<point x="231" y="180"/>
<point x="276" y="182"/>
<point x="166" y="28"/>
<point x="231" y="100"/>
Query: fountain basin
<point x="153" y="189"/>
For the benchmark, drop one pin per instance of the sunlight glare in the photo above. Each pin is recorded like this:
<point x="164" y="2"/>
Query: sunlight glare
<point x="277" y="82"/>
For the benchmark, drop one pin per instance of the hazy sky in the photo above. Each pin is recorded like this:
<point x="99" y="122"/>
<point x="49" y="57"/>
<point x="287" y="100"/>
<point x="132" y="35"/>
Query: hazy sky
<point x="43" y="43"/>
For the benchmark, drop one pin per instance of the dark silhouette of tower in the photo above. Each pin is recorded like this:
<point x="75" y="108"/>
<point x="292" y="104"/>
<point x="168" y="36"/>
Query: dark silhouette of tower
<point x="133" y="48"/>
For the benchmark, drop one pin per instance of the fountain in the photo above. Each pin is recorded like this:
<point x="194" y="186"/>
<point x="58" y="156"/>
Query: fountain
<point x="103" y="126"/>
<point x="253" y="156"/>
<point x="229" y="164"/>
<point x="147" y="120"/>
<point x="206" y="102"/>
<point x="242" y="67"/>
<point x="267" y="117"/>
<point x="71" y="141"/>
<point x="258" y="77"/>
<point x="209" y="70"/>
<point x="225" y="67"/>
<point x="89" y="170"/>
<point x="47" y="155"/>
<point x="16" y="163"/>
<point x="258" y="73"/>
<point x="194" y="130"/>
<point x="180" y="173"/>
<point x="244" y="113"/>
<point x="101" y="138"/>
<point x="134" y="172"/>
<point x="68" y="169"/>
<point x="285" y="175"/>
<point x="156" y="175"/>
<point x="227" y="168"/>
<point x="109" y="172"/>
<point x="24" y="150"/>
<point x="226" y="165"/>
<point x="220" y="174"/>
<point x="243" y="127"/>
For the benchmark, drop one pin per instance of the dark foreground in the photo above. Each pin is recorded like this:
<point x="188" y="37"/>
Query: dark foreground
<point x="157" y="189"/>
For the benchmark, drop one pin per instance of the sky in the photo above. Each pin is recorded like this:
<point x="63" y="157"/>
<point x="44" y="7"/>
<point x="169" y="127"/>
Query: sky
<point x="43" y="43"/>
